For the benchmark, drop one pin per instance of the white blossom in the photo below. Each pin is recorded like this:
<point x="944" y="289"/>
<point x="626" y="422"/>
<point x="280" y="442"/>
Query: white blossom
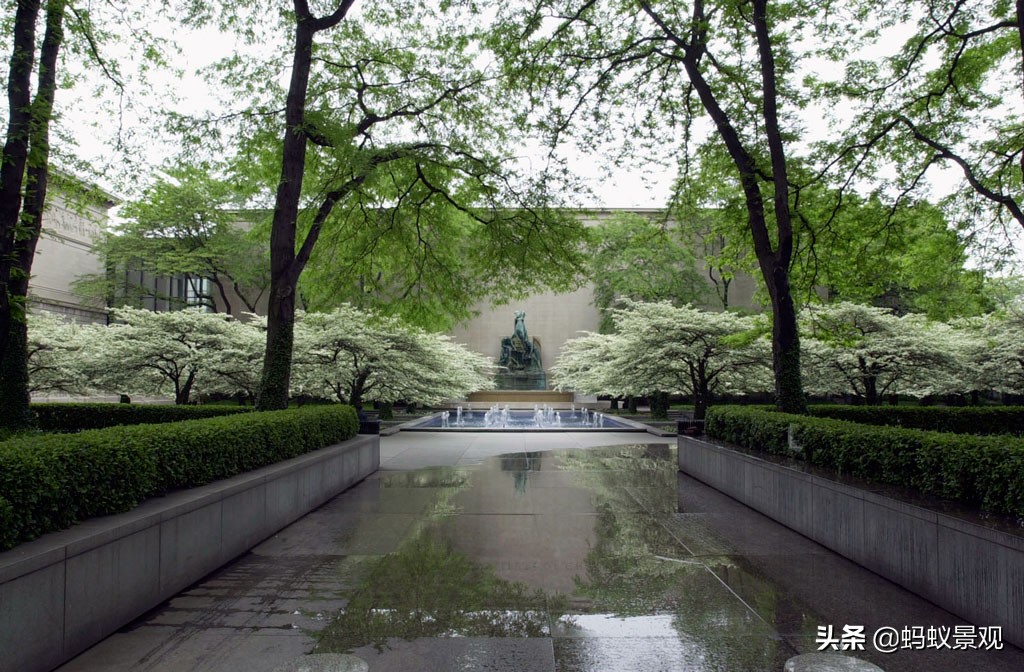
<point x="869" y="352"/>
<point x="356" y="356"/>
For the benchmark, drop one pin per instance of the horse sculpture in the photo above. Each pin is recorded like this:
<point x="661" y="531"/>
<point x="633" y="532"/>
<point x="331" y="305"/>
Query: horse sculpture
<point x="518" y="352"/>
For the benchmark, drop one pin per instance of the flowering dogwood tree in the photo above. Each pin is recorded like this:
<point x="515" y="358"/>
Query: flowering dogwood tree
<point x="994" y="353"/>
<point x="236" y="365"/>
<point x="870" y="352"/>
<point x="173" y="352"/>
<point x="356" y="356"/>
<point x="587" y="365"/>
<point x="659" y="347"/>
<point x="55" y="354"/>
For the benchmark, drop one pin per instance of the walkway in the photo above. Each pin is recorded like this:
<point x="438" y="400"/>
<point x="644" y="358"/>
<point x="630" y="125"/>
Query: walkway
<point x="529" y="552"/>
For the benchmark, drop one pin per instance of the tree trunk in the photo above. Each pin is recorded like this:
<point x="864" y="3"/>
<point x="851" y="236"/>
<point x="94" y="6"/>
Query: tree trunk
<point x="14" y="361"/>
<point x="228" y="310"/>
<point x="285" y="264"/>
<point x="701" y="400"/>
<point x="789" y="393"/>
<point x="773" y="258"/>
<point x="277" y="361"/>
<point x="15" y="412"/>
<point x="358" y="387"/>
<point x="182" y="394"/>
<point x="1020" y="34"/>
<point x="15" y="156"/>
<point x="871" y="397"/>
<point x="659" y="405"/>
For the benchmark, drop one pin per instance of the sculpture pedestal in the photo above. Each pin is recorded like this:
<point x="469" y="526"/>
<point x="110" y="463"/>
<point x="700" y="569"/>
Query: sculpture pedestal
<point x="521" y="380"/>
<point x="521" y="398"/>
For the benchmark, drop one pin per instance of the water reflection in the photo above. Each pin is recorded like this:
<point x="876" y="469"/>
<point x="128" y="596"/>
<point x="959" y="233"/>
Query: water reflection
<point x="427" y="589"/>
<point x="584" y="547"/>
<point x="521" y="465"/>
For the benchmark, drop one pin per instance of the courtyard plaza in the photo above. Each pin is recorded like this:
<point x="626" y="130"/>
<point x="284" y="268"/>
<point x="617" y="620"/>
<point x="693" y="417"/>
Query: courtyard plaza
<point x="567" y="552"/>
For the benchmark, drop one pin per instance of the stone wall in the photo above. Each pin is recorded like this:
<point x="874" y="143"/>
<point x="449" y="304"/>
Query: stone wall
<point x="974" y="571"/>
<point x="66" y="591"/>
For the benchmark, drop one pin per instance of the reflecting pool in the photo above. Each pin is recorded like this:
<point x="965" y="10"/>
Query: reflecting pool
<point x="573" y="560"/>
<point x="583" y="549"/>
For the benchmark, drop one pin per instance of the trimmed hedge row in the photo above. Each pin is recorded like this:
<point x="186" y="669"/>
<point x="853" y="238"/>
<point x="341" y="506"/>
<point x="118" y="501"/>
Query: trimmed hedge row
<point x="982" y="471"/>
<point x="955" y="419"/>
<point x="75" y="417"/>
<point x="51" y="481"/>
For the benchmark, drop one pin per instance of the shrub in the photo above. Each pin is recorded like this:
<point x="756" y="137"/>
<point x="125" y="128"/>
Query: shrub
<point x="51" y="481"/>
<point x="76" y="417"/>
<point x="982" y="471"/>
<point x="958" y="420"/>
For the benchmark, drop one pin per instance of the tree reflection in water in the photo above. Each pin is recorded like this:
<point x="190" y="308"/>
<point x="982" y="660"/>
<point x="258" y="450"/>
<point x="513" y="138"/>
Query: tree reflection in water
<point x="427" y="589"/>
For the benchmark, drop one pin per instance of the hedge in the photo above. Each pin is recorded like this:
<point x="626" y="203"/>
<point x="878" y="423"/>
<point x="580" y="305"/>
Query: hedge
<point x="955" y="419"/>
<point x="75" y="417"/>
<point x="51" y="481"/>
<point x="980" y="471"/>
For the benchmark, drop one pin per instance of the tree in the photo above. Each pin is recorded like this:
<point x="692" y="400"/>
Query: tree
<point x="946" y="98"/>
<point x="695" y="352"/>
<point x="685" y="58"/>
<point x="908" y="259"/>
<point x="184" y="226"/>
<point x="393" y="143"/>
<point x="235" y="365"/>
<point x="994" y="353"/>
<point x="356" y="356"/>
<point x="72" y="36"/>
<point x="872" y="353"/>
<point x="633" y="257"/>
<point x="148" y="352"/>
<point x="659" y="347"/>
<point x="587" y="364"/>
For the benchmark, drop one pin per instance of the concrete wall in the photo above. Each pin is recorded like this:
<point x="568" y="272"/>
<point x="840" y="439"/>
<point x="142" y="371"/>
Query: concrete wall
<point x="64" y="592"/>
<point x="973" y="571"/>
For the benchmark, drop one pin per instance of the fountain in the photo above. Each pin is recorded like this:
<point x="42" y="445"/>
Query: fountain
<point x="543" y="418"/>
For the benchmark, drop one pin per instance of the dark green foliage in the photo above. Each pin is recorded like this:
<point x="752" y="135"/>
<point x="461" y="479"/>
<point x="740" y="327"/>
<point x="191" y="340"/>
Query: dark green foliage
<point x="76" y="417"/>
<point x="15" y="411"/>
<point x="8" y="532"/>
<point x="659" y="403"/>
<point x="955" y="419"/>
<point x="51" y="481"/>
<point x="982" y="471"/>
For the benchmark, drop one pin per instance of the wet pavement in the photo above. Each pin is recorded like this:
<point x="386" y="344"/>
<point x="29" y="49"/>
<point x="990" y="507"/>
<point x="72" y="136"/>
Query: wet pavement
<point x="526" y="552"/>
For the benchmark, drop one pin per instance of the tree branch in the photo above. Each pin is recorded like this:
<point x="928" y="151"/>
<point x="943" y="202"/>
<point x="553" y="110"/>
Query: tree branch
<point x="944" y="152"/>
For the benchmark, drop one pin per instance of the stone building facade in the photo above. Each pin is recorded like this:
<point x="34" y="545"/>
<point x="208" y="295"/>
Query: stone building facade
<point x="71" y="228"/>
